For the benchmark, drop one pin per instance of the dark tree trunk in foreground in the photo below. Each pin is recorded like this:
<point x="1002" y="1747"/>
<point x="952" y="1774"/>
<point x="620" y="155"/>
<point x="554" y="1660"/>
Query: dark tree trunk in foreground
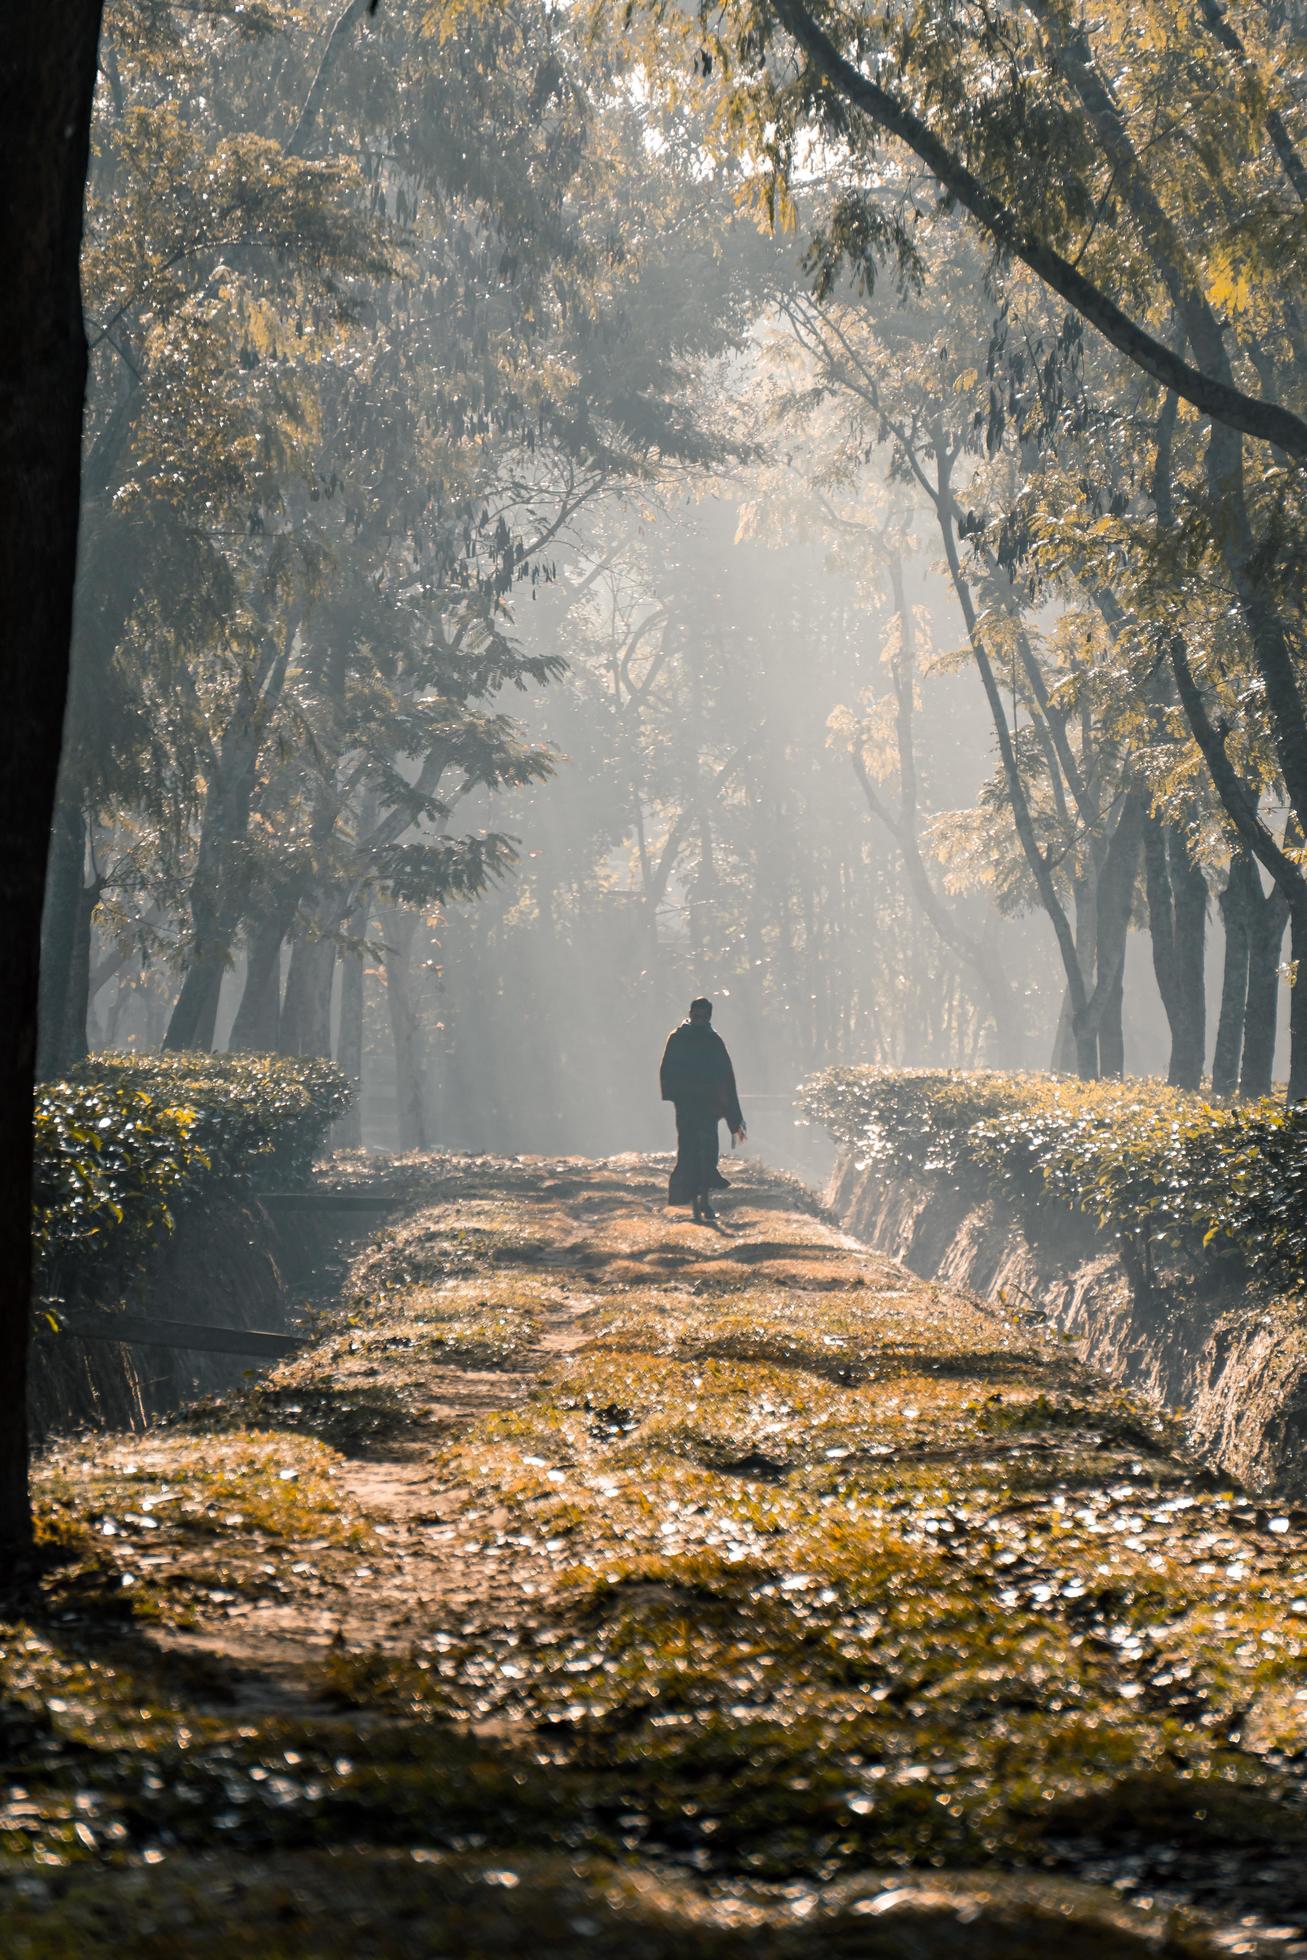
<point x="1236" y="901"/>
<point x="47" y="79"/>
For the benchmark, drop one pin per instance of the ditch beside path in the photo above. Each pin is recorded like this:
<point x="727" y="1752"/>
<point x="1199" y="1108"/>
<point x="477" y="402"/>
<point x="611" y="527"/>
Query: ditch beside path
<point x="598" y="1583"/>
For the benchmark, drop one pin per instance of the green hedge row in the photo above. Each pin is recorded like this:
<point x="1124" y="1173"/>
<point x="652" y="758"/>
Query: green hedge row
<point x="130" y="1138"/>
<point x="1155" y="1166"/>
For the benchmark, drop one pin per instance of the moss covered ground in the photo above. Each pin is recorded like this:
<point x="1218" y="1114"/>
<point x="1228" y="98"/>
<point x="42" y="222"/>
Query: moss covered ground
<point x="597" y="1583"/>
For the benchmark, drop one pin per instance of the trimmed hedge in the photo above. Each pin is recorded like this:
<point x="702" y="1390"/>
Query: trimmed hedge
<point x="264" y="1113"/>
<point x="130" y="1138"/>
<point x="1156" y="1166"/>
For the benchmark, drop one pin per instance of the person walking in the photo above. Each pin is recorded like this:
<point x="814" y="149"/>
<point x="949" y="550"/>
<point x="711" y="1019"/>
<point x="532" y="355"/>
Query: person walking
<point x="697" y="1078"/>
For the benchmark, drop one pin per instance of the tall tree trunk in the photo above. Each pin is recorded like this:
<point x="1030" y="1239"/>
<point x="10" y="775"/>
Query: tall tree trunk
<point x="1085" y="928"/>
<point x="1298" y="1005"/>
<point x="63" y="890"/>
<point x="1063" y="1059"/>
<point x="1266" y="936"/>
<point x="348" y="1131"/>
<point x="214" y="918"/>
<point x="1111" y="1027"/>
<point x="1189" y="901"/>
<point x="1242" y="891"/>
<point x="220" y="878"/>
<point x="1177" y="923"/>
<point x="1115" y="903"/>
<point x="257" y="1026"/>
<point x="410" y="1083"/>
<point x="306" y="1011"/>
<point x="194" y="1018"/>
<point x="47" y="79"/>
<point x="78" y="1002"/>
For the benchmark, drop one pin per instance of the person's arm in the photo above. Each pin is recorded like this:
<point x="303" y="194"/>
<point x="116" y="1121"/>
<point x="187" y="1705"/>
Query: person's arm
<point x="667" y="1072"/>
<point x="734" y="1114"/>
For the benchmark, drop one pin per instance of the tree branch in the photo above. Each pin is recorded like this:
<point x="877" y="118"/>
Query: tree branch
<point x="1267" y="421"/>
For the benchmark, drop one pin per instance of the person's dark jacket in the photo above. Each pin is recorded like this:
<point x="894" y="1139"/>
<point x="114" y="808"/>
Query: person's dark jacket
<point x="697" y="1071"/>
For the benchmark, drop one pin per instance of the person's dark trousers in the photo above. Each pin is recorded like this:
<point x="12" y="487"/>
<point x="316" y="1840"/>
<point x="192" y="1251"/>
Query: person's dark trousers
<point x="694" y="1174"/>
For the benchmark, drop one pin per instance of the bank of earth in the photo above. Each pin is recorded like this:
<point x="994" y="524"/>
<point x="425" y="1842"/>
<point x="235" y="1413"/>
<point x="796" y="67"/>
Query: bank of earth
<point x="594" y="1582"/>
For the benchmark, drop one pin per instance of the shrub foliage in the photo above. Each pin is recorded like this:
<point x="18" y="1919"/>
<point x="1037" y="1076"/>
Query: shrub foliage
<point x="1154" y="1165"/>
<point x="131" y="1138"/>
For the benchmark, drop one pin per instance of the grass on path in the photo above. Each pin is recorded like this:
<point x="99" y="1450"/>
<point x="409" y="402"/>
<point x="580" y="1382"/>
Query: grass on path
<point x="598" y="1584"/>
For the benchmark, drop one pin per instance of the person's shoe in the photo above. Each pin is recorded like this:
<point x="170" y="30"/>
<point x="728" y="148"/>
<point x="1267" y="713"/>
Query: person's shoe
<point x="698" y="1211"/>
<point x="707" y="1216"/>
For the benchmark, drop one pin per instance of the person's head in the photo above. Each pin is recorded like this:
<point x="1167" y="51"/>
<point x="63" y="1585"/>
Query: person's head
<point x="701" y="1011"/>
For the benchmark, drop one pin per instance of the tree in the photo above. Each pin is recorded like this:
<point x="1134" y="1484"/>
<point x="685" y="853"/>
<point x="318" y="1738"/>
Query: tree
<point x="986" y="146"/>
<point x="47" y="78"/>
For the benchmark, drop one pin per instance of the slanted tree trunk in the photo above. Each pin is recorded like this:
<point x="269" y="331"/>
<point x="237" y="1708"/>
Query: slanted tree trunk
<point x="1242" y="892"/>
<point x="410" y="1081"/>
<point x="47" y="79"/>
<point x="348" y="1130"/>
<point x="1211" y="392"/>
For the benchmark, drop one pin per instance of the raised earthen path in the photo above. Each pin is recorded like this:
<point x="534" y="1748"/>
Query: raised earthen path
<point x="596" y="1583"/>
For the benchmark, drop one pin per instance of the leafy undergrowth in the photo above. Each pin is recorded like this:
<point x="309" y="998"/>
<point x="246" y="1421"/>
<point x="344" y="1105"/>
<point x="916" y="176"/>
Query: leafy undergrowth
<point x="786" y="1604"/>
<point x="133" y="1139"/>
<point x="1165" y="1171"/>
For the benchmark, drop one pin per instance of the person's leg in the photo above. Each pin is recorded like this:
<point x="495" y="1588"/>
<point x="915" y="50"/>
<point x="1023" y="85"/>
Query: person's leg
<point x="705" y="1167"/>
<point x="716" y="1182"/>
<point x="682" y="1188"/>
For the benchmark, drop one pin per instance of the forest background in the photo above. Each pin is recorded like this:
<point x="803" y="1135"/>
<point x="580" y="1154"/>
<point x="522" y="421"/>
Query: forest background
<point x="406" y="327"/>
<point x="564" y="525"/>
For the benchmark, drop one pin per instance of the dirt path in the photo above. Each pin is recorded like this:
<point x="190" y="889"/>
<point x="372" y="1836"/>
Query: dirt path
<point x="584" y="1221"/>
<point x="594" y="1582"/>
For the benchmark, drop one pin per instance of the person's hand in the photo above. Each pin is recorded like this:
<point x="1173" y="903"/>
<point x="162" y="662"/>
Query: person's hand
<point x="741" y="1135"/>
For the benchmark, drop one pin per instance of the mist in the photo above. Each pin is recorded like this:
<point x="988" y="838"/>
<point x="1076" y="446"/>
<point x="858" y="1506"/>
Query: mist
<point x="518" y="594"/>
